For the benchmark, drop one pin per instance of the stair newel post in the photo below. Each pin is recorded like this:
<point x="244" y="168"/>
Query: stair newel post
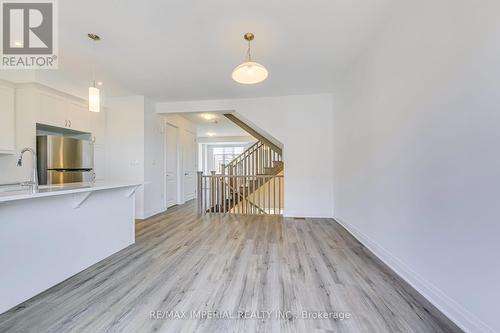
<point x="223" y="187"/>
<point x="199" y="178"/>
<point x="213" y="184"/>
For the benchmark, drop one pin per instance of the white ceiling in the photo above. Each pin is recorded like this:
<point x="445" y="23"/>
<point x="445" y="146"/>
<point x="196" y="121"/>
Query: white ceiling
<point x="186" y="50"/>
<point x="218" y="125"/>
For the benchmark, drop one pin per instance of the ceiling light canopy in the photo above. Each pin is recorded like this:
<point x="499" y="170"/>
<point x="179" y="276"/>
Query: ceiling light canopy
<point x="249" y="72"/>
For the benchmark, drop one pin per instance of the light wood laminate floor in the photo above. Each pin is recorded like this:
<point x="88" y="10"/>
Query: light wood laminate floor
<point x="185" y="262"/>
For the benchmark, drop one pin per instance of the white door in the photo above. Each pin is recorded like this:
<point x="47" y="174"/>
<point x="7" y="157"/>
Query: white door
<point x="189" y="153"/>
<point x="171" y="165"/>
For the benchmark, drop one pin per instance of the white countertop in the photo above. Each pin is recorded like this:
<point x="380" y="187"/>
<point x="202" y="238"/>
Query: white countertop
<point x="20" y="193"/>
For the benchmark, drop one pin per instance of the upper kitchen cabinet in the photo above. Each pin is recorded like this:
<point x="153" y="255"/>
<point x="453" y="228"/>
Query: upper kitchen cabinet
<point x="59" y="111"/>
<point x="78" y="117"/>
<point x="97" y="125"/>
<point x="7" y="119"/>
<point x="71" y="113"/>
<point x="23" y="106"/>
<point x="53" y="110"/>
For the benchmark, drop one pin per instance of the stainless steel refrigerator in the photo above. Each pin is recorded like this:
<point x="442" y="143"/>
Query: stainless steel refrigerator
<point x="64" y="160"/>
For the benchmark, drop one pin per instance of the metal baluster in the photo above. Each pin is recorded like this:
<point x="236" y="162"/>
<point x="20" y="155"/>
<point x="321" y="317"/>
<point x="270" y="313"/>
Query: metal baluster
<point x="233" y="206"/>
<point x="269" y="195"/>
<point x="269" y="164"/>
<point x="244" y="197"/>
<point x="200" y="191"/>
<point x="253" y="162"/>
<point x="240" y="190"/>
<point x="274" y="194"/>
<point x="237" y="189"/>
<point x="220" y="193"/>
<point x="279" y="194"/>
<point x="212" y="186"/>
<point x="253" y="195"/>
<point x="216" y="196"/>
<point x="223" y="187"/>
<point x="257" y="161"/>
<point x="206" y="193"/>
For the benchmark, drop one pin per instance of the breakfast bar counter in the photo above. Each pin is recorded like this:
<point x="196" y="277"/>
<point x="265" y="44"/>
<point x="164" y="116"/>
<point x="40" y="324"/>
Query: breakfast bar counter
<point x="48" y="236"/>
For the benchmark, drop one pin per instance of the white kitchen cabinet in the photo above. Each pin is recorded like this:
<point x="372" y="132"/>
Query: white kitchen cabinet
<point x="78" y="117"/>
<point x="100" y="162"/>
<point x="97" y="126"/>
<point x="7" y="120"/>
<point x="52" y="110"/>
<point x="71" y="114"/>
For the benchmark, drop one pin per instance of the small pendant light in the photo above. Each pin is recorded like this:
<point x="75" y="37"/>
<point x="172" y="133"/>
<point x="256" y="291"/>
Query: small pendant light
<point x="249" y="72"/>
<point x="94" y="93"/>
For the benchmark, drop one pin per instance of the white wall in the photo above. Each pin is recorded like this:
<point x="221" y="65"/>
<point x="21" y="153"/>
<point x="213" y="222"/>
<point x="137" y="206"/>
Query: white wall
<point x="304" y="124"/>
<point x="125" y="144"/>
<point x="154" y="169"/>
<point x="135" y="150"/>
<point x="417" y="154"/>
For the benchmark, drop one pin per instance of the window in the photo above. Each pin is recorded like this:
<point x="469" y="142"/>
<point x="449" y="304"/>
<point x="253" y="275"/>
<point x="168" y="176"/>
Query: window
<point x="224" y="155"/>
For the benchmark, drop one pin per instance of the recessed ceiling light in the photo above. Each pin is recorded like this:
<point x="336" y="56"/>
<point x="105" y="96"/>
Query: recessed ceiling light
<point x="100" y="83"/>
<point x="211" y="134"/>
<point x="208" y="116"/>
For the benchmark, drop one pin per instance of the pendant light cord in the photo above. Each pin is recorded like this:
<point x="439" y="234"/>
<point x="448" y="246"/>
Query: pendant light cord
<point x="248" y="52"/>
<point x="93" y="62"/>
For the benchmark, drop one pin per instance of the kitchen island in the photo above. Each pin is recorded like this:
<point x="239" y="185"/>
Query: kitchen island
<point x="48" y="236"/>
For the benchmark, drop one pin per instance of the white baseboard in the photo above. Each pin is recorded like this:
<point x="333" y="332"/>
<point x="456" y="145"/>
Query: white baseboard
<point x="146" y="215"/>
<point x="319" y="215"/>
<point x="450" y="308"/>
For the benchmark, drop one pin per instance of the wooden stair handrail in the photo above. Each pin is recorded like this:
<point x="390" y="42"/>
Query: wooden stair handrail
<point x="253" y="132"/>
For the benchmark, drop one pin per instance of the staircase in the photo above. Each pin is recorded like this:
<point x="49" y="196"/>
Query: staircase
<point x="252" y="183"/>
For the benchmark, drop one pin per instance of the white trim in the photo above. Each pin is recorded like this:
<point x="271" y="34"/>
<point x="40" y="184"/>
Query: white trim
<point x="450" y="308"/>
<point x="316" y="215"/>
<point x="147" y="215"/>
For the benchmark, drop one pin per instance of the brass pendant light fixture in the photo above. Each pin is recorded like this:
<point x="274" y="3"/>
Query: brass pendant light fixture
<point x="249" y="72"/>
<point x="94" y="93"/>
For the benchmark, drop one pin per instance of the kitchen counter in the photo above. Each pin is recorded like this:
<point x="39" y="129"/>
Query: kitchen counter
<point x="49" y="236"/>
<point x="11" y="193"/>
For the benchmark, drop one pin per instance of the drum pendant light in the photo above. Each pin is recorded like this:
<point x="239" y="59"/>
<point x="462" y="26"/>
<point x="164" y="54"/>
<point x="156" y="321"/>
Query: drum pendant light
<point x="249" y="72"/>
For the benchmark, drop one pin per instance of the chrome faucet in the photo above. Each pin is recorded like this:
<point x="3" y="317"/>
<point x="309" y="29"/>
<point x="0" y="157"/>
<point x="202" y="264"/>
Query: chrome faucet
<point x="34" y="179"/>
